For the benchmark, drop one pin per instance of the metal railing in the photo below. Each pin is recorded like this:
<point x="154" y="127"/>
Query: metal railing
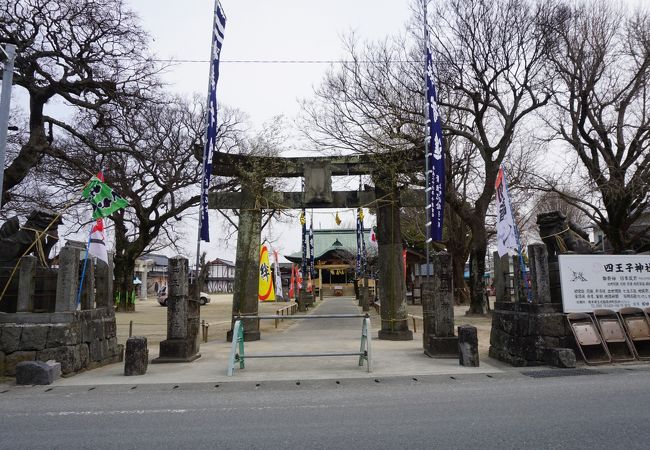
<point x="237" y="354"/>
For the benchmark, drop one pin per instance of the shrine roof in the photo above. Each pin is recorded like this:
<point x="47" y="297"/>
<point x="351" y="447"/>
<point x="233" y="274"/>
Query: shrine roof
<point x="335" y="240"/>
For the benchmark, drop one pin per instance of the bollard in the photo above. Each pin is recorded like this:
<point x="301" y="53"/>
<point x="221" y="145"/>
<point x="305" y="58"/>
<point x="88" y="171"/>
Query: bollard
<point x="204" y="330"/>
<point x="136" y="357"/>
<point x="468" y="346"/>
<point x="130" y="328"/>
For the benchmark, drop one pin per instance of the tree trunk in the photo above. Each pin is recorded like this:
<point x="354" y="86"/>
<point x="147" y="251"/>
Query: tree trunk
<point x="30" y="153"/>
<point x="123" y="286"/>
<point x="477" y="270"/>
<point x="124" y="269"/>
<point x="461" y="292"/>
<point x="615" y="234"/>
<point x="458" y="240"/>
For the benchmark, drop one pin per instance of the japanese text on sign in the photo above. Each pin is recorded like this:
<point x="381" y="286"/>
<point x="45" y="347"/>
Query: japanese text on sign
<point x="604" y="281"/>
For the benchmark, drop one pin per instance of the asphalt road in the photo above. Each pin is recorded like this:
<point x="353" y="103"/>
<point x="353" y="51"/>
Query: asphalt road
<point x="608" y="410"/>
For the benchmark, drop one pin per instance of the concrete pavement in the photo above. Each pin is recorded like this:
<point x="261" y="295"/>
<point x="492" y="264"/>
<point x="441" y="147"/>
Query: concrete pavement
<point x="389" y="358"/>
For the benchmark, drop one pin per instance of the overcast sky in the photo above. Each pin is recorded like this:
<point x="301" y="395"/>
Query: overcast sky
<point x="259" y="30"/>
<point x="284" y="30"/>
<point x="267" y="31"/>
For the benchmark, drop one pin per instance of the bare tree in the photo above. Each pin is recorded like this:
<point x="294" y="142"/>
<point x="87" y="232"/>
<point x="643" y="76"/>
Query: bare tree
<point x="601" y="60"/>
<point x="370" y="103"/>
<point x="87" y="53"/>
<point x="373" y="103"/>
<point x="148" y="155"/>
<point x="490" y="56"/>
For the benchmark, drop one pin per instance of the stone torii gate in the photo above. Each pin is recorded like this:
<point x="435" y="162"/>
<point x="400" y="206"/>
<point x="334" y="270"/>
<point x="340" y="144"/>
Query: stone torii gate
<point x="254" y="197"/>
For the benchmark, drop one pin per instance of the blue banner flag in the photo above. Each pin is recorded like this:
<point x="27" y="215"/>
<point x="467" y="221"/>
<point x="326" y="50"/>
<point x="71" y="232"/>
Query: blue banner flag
<point x="219" y="27"/>
<point x="358" y="266"/>
<point x="364" y="258"/>
<point x="312" y="269"/>
<point x="434" y="151"/>
<point x="303" y="262"/>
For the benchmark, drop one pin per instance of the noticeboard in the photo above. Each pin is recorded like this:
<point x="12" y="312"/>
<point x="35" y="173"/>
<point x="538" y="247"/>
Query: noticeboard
<point x="604" y="281"/>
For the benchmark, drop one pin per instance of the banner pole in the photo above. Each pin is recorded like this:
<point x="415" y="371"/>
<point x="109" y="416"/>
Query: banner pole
<point x="207" y="132"/>
<point x="83" y="271"/>
<point x="427" y="143"/>
<point x="522" y="265"/>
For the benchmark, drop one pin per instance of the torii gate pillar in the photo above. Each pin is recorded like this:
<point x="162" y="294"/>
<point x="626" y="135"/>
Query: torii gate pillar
<point x="245" y="292"/>
<point x="254" y="198"/>
<point x="392" y="286"/>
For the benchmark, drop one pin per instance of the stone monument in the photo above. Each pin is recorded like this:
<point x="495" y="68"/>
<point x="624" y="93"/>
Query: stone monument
<point x="181" y="344"/>
<point x="438" y="310"/>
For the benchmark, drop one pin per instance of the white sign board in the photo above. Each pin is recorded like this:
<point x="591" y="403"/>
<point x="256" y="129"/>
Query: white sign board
<point x="604" y="281"/>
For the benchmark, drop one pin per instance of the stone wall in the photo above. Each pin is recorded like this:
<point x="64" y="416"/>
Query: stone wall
<point x="526" y="334"/>
<point x="79" y="334"/>
<point x="79" y="340"/>
<point x="530" y="329"/>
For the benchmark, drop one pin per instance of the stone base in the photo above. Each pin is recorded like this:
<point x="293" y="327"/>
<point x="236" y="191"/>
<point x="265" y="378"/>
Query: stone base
<point x="249" y="336"/>
<point x="530" y="334"/>
<point x="442" y="347"/>
<point x="468" y="346"/>
<point x="37" y="372"/>
<point x="136" y="358"/>
<point x="403" y="335"/>
<point x="560" y="357"/>
<point x="176" y="350"/>
<point x="171" y="359"/>
<point x="78" y="340"/>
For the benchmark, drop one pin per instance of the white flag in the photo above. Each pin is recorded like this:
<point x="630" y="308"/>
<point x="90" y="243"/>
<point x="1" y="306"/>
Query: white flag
<point x="97" y="247"/>
<point x="278" y="278"/>
<point x="506" y="228"/>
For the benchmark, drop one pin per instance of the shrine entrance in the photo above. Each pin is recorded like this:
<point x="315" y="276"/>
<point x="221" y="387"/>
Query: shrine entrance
<point x="251" y="172"/>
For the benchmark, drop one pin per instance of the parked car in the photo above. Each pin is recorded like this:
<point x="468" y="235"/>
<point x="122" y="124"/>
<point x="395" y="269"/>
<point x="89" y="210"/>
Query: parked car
<point x="162" y="297"/>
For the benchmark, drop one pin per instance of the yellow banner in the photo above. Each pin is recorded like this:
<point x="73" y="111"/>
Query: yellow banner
<point x="266" y="293"/>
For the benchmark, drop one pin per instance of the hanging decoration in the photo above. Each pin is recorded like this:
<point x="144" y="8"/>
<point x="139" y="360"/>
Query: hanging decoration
<point x="312" y="270"/>
<point x="364" y="258"/>
<point x="299" y="279"/>
<point x="277" y="279"/>
<point x="359" y="236"/>
<point x="337" y="219"/>
<point x="303" y="265"/>
<point x="292" y="283"/>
